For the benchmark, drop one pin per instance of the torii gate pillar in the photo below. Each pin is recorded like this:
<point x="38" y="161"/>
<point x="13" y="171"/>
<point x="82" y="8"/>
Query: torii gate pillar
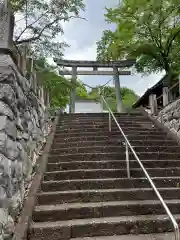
<point x="118" y="93"/>
<point x="73" y="91"/>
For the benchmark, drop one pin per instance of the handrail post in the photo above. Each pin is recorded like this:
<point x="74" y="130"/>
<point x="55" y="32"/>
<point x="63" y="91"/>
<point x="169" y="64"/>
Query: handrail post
<point x="127" y="161"/>
<point x="176" y="230"/>
<point x="109" y="122"/>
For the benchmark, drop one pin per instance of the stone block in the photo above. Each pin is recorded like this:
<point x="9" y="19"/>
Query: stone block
<point x="15" y="204"/>
<point x="27" y="115"/>
<point x="17" y="170"/>
<point x="19" y="135"/>
<point x="7" y="94"/>
<point x="3" y="217"/>
<point x="8" y="126"/>
<point x="11" y="148"/>
<point x="25" y="136"/>
<point x="5" y="165"/>
<point x="36" y="133"/>
<point x="21" y="97"/>
<point x="33" y="100"/>
<point x="23" y="155"/>
<point x="19" y="124"/>
<point x="27" y="169"/>
<point x="6" y="74"/>
<point x="30" y="126"/>
<point x="3" y="139"/>
<point x="5" y="177"/>
<point x="6" y="110"/>
<point x="24" y="124"/>
<point x="25" y="85"/>
<point x="23" y="143"/>
<point x="3" y="197"/>
<point x="9" y="228"/>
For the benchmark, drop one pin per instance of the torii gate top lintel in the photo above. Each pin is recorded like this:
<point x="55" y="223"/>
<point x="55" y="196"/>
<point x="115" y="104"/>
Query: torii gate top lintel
<point x="100" y="64"/>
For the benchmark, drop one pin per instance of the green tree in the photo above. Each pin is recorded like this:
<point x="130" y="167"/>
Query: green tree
<point x="128" y="96"/>
<point x="41" y="21"/>
<point x="81" y="90"/>
<point x="148" y="30"/>
<point x="58" y="87"/>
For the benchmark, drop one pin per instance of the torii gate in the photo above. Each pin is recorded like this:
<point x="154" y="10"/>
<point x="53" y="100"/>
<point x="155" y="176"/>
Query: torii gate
<point x="115" y="65"/>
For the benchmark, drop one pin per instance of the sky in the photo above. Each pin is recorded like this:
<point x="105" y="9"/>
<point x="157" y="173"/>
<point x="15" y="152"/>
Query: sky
<point x="82" y="36"/>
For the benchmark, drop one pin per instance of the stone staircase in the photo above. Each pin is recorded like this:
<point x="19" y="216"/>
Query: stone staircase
<point x="86" y="193"/>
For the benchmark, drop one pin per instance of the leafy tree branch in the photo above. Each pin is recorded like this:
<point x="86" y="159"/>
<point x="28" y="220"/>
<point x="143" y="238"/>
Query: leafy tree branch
<point x="146" y="30"/>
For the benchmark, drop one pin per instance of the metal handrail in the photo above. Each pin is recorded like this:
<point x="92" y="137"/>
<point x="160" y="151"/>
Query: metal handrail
<point x="128" y="145"/>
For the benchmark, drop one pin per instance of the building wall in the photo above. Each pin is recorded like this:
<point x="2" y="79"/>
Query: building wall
<point x="86" y="107"/>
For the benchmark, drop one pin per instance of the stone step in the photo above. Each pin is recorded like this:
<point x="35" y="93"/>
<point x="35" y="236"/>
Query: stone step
<point x="153" y="236"/>
<point x="95" y="156"/>
<point x="105" y="116"/>
<point x="103" y="119"/>
<point x="100" y="129"/>
<point x="134" y="135"/>
<point x="115" y="141"/>
<point x="112" y="148"/>
<point x="107" y="226"/>
<point x="113" y="183"/>
<point x="100" y="195"/>
<point x="97" y="132"/>
<point x="131" y="137"/>
<point x="104" y="124"/>
<point x="109" y="173"/>
<point x="61" y="212"/>
<point x="110" y="164"/>
<point x="132" y="113"/>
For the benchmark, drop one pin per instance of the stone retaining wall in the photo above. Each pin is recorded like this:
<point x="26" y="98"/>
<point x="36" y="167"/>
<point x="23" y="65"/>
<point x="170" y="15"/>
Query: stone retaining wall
<point x="23" y="128"/>
<point x="170" y="117"/>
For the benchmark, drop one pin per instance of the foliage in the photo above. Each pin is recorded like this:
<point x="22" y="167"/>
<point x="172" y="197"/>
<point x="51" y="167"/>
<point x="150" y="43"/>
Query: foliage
<point x="81" y="90"/>
<point x="147" y="30"/>
<point x="128" y="96"/>
<point x="57" y="86"/>
<point x="41" y="21"/>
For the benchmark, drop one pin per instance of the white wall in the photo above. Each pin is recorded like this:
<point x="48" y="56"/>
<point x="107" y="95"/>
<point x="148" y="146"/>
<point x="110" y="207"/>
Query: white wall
<point x="86" y="107"/>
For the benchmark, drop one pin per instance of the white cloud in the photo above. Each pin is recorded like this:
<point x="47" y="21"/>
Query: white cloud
<point x="86" y="53"/>
<point x="147" y="82"/>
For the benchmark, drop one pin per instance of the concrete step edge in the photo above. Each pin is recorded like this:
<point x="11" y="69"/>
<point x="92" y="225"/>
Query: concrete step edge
<point x="110" y="161"/>
<point x="65" y="206"/>
<point x="112" y="146"/>
<point x="106" y="153"/>
<point x="121" y="190"/>
<point x="152" y="236"/>
<point x="109" y="179"/>
<point x="109" y="170"/>
<point x="111" y="140"/>
<point x="92" y="221"/>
